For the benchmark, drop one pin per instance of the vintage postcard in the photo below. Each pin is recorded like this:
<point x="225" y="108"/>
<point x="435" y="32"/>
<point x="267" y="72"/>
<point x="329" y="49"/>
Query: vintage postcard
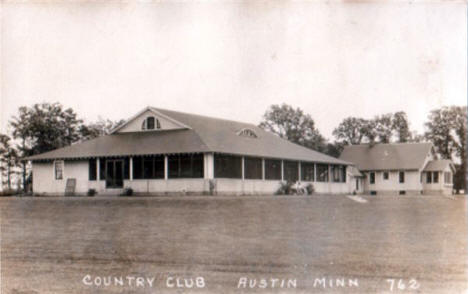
<point x="233" y="146"/>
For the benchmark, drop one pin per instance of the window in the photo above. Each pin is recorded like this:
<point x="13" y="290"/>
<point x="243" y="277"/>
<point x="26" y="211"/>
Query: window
<point x="147" y="167"/>
<point x="402" y="177"/>
<point x="92" y="170"/>
<point x="448" y="177"/>
<point x="385" y="175"/>
<point x="372" y="178"/>
<point x="338" y="173"/>
<point x="253" y="168"/>
<point x="307" y="172"/>
<point x="58" y="169"/>
<point x="102" y="169"/>
<point x="247" y="133"/>
<point x="291" y="171"/>
<point x="227" y="166"/>
<point x="272" y="169"/>
<point x="150" y="123"/>
<point x="435" y="177"/>
<point x="322" y="173"/>
<point x="428" y="177"/>
<point x="186" y="166"/>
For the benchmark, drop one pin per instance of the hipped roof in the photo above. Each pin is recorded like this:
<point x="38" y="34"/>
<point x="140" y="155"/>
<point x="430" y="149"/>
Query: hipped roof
<point x="205" y="134"/>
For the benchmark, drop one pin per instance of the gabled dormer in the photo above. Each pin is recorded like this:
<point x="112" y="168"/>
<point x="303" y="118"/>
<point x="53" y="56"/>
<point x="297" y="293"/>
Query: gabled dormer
<point x="149" y="120"/>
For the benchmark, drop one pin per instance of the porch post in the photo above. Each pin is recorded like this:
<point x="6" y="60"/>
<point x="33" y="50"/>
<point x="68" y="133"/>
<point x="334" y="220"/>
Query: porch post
<point x="131" y="168"/>
<point x="315" y="172"/>
<point x="282" y="170"/>
<point x="299" y="171"/>
<point x="243" y="167"/>
<point x="98" y="169"/>
<point x="263" y="168"/>
<point x="166" y="167"/>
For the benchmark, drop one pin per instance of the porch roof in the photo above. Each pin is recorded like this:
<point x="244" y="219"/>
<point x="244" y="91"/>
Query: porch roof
<point x="439" y="165"/>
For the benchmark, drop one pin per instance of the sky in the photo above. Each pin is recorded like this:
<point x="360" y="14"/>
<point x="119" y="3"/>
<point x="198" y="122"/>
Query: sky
<point x="234" y="59"/>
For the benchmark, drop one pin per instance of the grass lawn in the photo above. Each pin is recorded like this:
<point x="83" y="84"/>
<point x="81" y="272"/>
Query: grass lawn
<point x="48" y="245"/>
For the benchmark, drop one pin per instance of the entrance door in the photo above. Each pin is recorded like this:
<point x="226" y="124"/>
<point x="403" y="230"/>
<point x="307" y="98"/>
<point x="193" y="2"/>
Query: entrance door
<point x="114" y="173"/>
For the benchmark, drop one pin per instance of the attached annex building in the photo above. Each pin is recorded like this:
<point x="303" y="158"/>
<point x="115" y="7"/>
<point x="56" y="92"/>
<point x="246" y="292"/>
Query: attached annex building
<point x="162" y="152"/>
<point x="406" y="168"/>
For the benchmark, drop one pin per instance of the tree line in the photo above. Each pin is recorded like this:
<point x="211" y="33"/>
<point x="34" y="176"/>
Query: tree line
<point x="48" y="126"/>
<point x="41" y="128"/>
<point x="446" y="128"/>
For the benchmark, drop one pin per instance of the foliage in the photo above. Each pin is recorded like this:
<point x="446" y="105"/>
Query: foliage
<point x="351" y="131"/>
<point x="381" y="129"/>
<point x="310" y="189"/>
<point x="127" y="192"/>
<point x="9" y="192"/>
<point x="293" y="125"/>
<point x="285" y="188"/>
<point x="400" y="126"/>
<point x="44" y="127"/>
<point x="99" y="128"/>
<point x="446" y="129"/>
<point x="91" y="192"/>
<point x="9" y="160"/>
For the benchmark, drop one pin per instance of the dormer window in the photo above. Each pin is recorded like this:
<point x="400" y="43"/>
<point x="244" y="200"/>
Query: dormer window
<point x="150" y="123"/>
<point x="247" y="133"/>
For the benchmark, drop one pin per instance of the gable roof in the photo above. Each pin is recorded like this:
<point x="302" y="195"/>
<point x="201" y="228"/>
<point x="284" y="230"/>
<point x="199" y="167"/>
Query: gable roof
<point x="439" y="165"/>
<point x="397" y="156"/>
<point x="205" y="134"/>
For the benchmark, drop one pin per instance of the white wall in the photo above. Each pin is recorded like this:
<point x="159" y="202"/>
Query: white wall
<point x="440" y="187"/>
<point x="44" y="182"/>
<point x="135" y="125"/>
<point x="44" y="177"/>
<point x="392" y="185"/>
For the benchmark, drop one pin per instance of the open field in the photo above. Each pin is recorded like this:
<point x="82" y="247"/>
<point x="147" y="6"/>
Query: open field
<point x="48" y="245"/>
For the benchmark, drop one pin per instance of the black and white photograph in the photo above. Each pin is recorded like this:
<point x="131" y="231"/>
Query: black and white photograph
<point x="233" y="146"/>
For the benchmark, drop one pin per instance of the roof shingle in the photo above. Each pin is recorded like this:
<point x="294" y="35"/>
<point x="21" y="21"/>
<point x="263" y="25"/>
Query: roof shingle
<point x="207" y="134"/>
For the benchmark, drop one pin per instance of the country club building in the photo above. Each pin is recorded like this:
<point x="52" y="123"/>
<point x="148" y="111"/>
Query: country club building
<point x="167" y="152"/>
<point x="406" y="168"/>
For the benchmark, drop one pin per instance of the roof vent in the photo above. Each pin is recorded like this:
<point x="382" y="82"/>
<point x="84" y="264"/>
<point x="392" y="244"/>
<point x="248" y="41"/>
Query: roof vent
<point x="247" y="133"/>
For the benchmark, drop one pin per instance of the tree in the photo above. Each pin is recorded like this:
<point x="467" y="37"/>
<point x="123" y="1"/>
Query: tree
<point x="383" y="128"/>
<point x="351" y="131"/>
<point x="99" y="128"/>
<point x="8" y="160"/>
<point x="44" y="127"/>
<point x="446" y="129"/>
<point x="400" y="126"/>
<point x="293" y="125"/>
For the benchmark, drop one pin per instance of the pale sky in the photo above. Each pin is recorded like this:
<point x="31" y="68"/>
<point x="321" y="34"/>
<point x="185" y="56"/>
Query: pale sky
<point x="234" y="59"/>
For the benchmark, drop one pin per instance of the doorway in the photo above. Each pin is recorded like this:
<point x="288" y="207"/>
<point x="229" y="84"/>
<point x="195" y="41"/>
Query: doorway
<point x="114" y="173"/>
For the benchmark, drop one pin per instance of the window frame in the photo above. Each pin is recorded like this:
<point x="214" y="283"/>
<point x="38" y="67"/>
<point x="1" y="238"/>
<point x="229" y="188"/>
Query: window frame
<point x="92" y="169"/>
<point x="372" y="178"/>
<point x="252" y="162"/>
<point x="62" y="170"/>
<point x="401" y="177"/>
<point x="221" y="172"/>
<point x="271" y="174"/>
<point x="308" y="169"/>
<point x="435" y="177"/>
<point x="386" y="175"/>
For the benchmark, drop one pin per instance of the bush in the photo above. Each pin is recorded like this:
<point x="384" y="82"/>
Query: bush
<point x="285" y="188"/>
<point x="212" y="184"/>
<point x="91" y="192"/>
<point x="9" y="192"/>
<point x="310" y="189"/>
<point x="127" y="192"/>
